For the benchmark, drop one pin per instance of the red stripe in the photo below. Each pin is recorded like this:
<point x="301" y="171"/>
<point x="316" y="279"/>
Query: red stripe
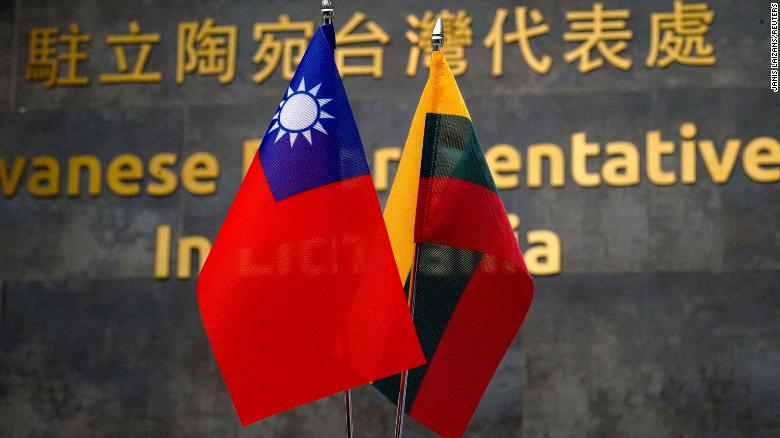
<point x="488" y="316"/>
<point x="463" y="214"/>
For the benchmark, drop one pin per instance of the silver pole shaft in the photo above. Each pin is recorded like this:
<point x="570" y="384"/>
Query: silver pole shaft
<point x="348" y="412"/>
<point x="326" y="10"/>
<point x="437" y="40"/>
<point x="399" y="410"/>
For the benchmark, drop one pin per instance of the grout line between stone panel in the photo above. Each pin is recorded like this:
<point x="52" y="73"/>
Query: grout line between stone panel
<point x="358" y="98"/>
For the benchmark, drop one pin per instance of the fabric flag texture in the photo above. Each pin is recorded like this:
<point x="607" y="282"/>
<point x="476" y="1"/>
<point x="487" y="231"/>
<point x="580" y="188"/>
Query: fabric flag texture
<point x="300" y="296"/>
<point x="472" y="288"/>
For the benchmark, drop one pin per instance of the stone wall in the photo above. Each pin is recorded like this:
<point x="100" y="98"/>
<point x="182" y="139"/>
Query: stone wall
<point x="661" y="322"/>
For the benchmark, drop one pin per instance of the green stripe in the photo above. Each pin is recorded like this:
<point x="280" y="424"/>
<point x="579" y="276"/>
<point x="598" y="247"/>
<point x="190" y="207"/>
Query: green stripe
<point x="451" y="149"/>
<point x="442" y="276"/>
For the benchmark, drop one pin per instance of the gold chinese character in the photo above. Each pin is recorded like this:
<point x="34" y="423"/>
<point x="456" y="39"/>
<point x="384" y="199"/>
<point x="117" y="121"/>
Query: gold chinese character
<point x="45" y="60"/>
<point x="73" y="56"/>
<point x="271" y="50"/>
<point x="682" y="40"/>
<point x="594" y="28"/>
<point x="145" y="43"/>
<point x="496" y="39"/>
<point x="208" y="49"/>
<point x="42" y="66"/>
<point x="457" y="34"/>
<point x="347" y="35"/>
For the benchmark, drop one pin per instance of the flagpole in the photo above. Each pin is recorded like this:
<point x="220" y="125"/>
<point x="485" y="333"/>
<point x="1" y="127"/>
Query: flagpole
<point x="326" y="10"/>
<point x="399" y="410"/>
<point x="437" y="41"/>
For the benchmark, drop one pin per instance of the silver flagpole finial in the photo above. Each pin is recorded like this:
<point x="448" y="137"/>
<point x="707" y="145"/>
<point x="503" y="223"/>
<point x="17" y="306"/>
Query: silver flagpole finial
<point x="437" y="37"/>
<point x="327" y="11"/>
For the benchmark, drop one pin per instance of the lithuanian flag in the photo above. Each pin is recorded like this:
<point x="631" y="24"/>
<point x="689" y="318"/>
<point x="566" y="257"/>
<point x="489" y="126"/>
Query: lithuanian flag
<point x="454" y="246"/>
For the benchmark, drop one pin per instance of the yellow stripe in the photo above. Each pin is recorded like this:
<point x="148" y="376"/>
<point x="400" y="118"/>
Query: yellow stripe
<point x="441" y="96"/>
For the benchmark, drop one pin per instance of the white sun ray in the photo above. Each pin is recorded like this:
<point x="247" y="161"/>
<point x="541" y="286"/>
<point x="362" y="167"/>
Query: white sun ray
<point x="299" y="113"/>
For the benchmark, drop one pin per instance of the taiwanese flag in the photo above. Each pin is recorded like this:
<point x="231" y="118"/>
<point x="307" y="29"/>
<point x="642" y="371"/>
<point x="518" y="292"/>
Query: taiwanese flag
<point x="300" y="296"/>
<point x="454" y="246"/>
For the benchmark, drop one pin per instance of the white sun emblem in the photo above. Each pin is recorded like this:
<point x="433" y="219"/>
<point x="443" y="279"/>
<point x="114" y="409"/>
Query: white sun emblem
<point x="300" y="112"/>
